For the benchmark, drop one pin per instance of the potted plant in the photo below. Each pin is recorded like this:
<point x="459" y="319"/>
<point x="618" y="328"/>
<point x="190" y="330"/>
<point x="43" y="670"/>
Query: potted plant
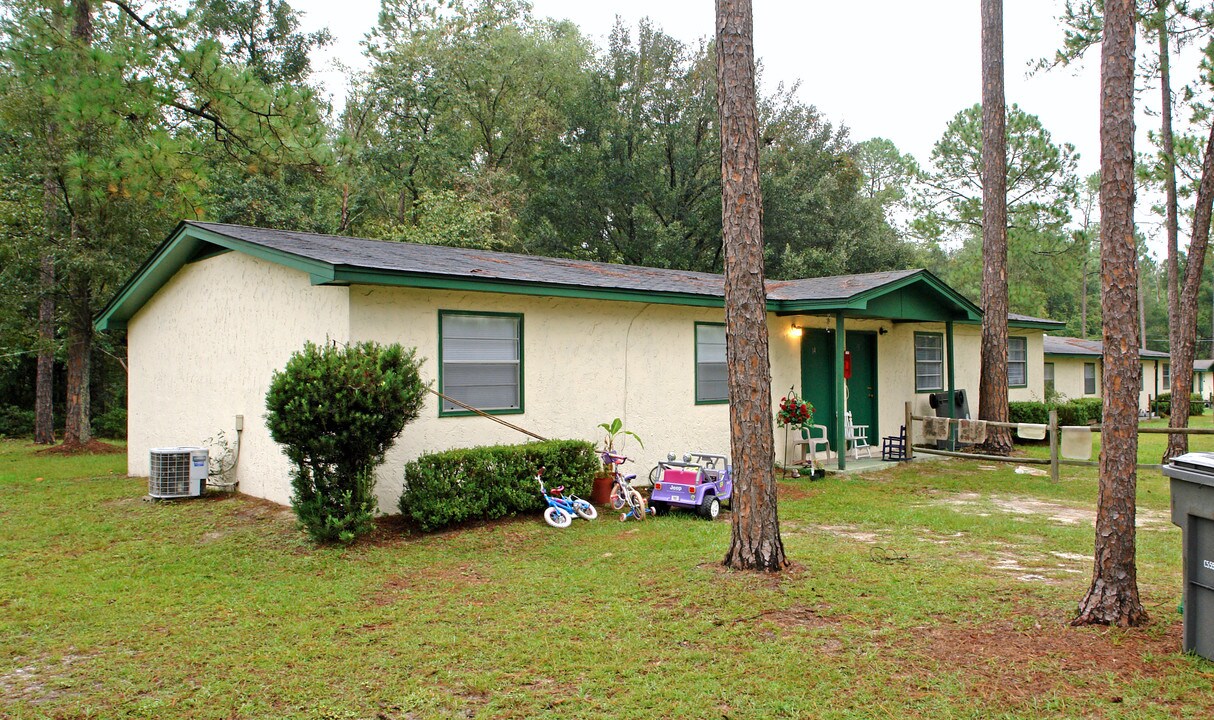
<point x="600" y="493"/>
<point x="794" y="413"/>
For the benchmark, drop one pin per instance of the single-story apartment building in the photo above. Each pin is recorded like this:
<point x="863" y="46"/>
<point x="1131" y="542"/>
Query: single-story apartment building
<point x="1074" y="366"/>
<point x="561" y="345"/>
<point x="1203" y="383"/>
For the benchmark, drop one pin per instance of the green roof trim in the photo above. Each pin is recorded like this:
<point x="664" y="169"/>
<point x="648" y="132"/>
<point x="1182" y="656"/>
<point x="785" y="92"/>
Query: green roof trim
<point x="914" y="296"/>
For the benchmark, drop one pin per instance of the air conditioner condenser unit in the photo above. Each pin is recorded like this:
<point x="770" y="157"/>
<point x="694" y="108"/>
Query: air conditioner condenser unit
<point x="178" y="472"/>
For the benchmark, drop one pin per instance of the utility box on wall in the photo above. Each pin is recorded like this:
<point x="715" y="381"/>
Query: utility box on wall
<point x="1192" y="488"/>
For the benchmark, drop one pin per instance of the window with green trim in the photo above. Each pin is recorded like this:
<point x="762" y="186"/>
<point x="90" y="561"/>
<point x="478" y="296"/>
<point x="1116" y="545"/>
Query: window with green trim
<point x="929" y="362"/>
<point x="1089" y="378"/>
<point x="1049" y="377"/>
<point x="1167" y="376"/>
<point x="1017" y="362"/>
<point x="481" y="361"/>
<point x="711" y="376"/>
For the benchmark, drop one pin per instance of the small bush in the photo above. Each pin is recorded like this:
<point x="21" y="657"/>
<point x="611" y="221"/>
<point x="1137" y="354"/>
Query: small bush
<point x="1028" y="411"/>
<point x="1092" y="408"/>
<point x="1163" y="404"/>
<point x="337" y="410"/>
<point x="16" y="422"/>
<point x="111" y="424"/>
<point x="486" y="483"/>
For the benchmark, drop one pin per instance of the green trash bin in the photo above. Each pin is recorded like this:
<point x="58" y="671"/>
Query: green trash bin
<point x="1192" y="486"/>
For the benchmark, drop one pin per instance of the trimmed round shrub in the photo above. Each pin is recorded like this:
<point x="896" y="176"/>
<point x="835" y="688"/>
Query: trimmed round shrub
<point x="486" y="483"/>
<point x="336" y="411"/>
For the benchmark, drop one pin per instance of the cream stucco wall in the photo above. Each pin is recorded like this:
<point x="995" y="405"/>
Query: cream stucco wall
<point x="202" y="351"/>
<point x="896" y="366"/>
<point x="584" y="362"/>
<point x="204" y="348"/>
<point x="1068" y="378"/>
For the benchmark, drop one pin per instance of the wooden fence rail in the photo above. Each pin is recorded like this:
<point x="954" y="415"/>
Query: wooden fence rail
<point x="1053" y="431"/>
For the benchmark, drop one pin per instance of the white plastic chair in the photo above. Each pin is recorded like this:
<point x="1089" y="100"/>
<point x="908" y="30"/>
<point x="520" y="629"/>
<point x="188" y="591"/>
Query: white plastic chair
<point x="813" y="441"/>
<point x="856" y="436"/>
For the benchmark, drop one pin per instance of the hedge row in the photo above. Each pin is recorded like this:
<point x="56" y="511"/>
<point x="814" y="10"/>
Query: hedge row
<point x="1083" y="411"/>
<point x="485" y="483"/>
<point x="1163" y="404"/>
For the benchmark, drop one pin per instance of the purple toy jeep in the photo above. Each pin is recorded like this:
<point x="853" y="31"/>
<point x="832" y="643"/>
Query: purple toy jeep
<point x="701" y="483"/>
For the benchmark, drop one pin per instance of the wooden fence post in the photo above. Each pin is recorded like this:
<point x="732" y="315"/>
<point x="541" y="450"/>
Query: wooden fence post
<point x="1053" y="446"/>
<point x="910" y="435"/>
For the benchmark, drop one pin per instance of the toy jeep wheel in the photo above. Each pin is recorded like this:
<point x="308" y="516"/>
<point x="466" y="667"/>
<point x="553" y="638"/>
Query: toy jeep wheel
<point x="659" y="508"/>
<point x="710" y="508"/>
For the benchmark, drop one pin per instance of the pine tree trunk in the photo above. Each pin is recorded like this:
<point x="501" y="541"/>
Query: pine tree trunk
<point x="1171" y="222"/>
<point x="44" y="412"/>
<point x="1112" y="598"/>
<point x="1184" y="351"/>
<point x="44" y="387"/>
<point x="1083" y="304"/>
<point x="755" y="542"/>
<point x="77" y="430"/>
<point x="992" y="385"/>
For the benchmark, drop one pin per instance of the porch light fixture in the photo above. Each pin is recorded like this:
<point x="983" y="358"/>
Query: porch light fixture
<point x="795" y="331"/>
<point x="881" y="331"/>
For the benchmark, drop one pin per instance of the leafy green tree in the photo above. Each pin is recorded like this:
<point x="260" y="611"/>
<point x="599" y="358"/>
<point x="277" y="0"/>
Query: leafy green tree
<point x="120" y="114"/>
<point x="337" y="411"/>
<point x="1042" y="187"/>
<point x="264" y="36"/>
<point x="888" y="173"/>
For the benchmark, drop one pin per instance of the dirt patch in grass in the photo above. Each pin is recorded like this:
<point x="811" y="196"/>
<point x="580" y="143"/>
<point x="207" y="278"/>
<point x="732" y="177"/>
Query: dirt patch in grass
<point x="1058" y="513"/>
<point x="1006" y="663"/>
<point x="92" y="447"/>
<point x="449" y="579"/>
<point x="39" y="680"/>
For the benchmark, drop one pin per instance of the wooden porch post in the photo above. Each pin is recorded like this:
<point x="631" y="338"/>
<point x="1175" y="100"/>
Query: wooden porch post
<point x="952" y="385"/>
<point x="840" y="432"/>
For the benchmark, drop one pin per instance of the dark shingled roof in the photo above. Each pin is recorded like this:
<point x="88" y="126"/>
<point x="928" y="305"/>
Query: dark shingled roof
<point x="1075" y="346"/>
<point x="463" y="262"/>
<point x="345" y="260"/>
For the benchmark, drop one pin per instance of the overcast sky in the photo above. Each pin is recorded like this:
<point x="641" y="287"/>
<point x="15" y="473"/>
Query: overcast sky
<point x="892" y="68"/>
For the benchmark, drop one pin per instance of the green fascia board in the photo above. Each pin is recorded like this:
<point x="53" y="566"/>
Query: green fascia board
<point x="179" y="248"/>
<point x="350" y="276"/>
<point x="1035" y="325"/>
<point x="859" y="305"/>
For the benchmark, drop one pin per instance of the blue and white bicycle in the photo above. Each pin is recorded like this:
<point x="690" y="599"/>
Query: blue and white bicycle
<point x="561" y="509"/>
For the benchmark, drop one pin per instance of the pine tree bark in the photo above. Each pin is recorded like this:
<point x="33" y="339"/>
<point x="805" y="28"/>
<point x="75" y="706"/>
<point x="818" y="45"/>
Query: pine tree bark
<point x="77" y="430"/>
<point x="755" y="542"/>
<point x="44" y="387"/>
<point x="992" y="384"/>
<point x="1113" y="598"/>
<point x="44" y="412"/>
<point x="1184" y="349"/>
<point x="1171" y="222"/>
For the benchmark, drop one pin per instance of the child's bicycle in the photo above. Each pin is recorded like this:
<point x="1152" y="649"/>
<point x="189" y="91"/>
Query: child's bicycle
<point x="623" y="494"/>
<point x="561" y="509"/>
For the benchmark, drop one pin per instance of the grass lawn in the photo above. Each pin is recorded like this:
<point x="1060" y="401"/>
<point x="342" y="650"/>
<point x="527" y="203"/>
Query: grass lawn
<point x="937" y="590"/>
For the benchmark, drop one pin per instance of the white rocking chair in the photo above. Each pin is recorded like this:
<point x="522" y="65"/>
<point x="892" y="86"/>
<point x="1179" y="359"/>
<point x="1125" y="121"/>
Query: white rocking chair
<point x="856" y="437"/>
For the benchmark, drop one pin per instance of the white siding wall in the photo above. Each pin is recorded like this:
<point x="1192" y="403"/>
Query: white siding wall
<point x="202" y="351"/>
